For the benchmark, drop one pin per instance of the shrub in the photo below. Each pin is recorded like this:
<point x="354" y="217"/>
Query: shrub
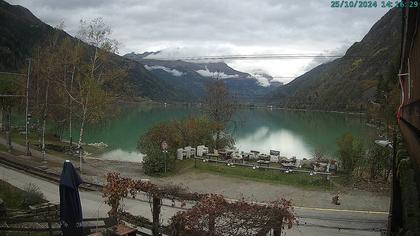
<point x="178" y="134"/>
<point x="154" y="162"/>
<point x="350" y="152"/>
<point x="32" y="195"/>
<point x="378" y="162"/>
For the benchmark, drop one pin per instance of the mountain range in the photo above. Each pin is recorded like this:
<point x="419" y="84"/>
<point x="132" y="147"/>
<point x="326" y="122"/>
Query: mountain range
<point x="194" y="77"/>
<point x="347" y="83"/>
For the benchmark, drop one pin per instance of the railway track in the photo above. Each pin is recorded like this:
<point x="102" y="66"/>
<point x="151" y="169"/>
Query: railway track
<point x="42" y="173"/>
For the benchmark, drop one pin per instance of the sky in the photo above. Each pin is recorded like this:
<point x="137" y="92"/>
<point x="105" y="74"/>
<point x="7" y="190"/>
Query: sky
<point x="185" y="28"/>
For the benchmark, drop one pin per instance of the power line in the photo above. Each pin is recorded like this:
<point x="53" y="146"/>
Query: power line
<point x="284" y="77"/>
<point x="254" y="56"/>
<point x="11" y="95"/>
<point x="12" y="73"/>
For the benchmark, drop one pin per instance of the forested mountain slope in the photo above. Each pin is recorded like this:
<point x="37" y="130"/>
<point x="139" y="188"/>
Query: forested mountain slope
<point x="348" y="83"/>
<point x="20" y="31"/>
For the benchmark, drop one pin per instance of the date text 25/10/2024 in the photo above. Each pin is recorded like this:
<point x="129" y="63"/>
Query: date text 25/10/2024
<point x="373" y="4"/>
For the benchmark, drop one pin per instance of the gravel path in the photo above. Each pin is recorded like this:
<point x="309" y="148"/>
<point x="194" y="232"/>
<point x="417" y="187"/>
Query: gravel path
<point x="238" y="188"/>
<point x="251" y="190"/>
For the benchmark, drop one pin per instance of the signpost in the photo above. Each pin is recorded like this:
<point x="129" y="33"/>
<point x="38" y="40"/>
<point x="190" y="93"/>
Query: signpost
<point x="164" y="147"/>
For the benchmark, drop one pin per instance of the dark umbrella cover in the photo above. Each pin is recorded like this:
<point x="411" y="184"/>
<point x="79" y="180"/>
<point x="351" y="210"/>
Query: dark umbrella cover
<point x="70" y="206"/>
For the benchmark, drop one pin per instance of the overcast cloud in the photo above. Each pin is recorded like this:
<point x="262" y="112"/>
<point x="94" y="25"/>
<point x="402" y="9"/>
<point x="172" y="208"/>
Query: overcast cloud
<point x="220" y="27"/>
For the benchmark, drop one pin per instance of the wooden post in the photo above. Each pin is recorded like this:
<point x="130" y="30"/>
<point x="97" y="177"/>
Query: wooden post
<point x="176" y="229"/>
<point x="156" y="204"/>
<point x="50" y="228"/>
<point x="277" y="229"/>
<point x="212" y="224"/>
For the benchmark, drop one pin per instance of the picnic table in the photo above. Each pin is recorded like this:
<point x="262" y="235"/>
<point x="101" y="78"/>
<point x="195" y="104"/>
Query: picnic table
<point x="265" y="163"/>
<point x="213" y="155"/>
<point x="288" y="164"/>
<point x="237" y="159"/>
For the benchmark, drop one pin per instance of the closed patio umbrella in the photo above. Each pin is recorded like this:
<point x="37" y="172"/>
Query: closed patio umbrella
<point x="70" y="206"/>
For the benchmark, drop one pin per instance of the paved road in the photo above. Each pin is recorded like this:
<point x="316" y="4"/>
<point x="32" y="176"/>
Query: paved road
<point x="312" y="221"/>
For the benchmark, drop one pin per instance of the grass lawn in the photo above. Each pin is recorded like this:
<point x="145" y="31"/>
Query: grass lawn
<point x="268" y="176"/>
<point x="4" y="148"/>
<point x="13" y="198"/>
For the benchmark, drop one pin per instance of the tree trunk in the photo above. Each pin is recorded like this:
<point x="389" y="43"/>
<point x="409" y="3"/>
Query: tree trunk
<point x="92" y="72"/>
<point x="44" y="120"/>
<point x="277" y="229"/>
<point x="217" y="139"/>
<point x="82" y="127"/>
<point x="277" y="232"/>
<point x="155" y="214"/>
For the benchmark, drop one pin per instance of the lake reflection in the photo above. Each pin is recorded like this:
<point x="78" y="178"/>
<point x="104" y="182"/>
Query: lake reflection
<point x="293" y="133"/>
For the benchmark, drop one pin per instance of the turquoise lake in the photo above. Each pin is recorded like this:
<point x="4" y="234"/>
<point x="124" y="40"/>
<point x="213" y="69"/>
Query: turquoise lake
<point x="293" y="133"/>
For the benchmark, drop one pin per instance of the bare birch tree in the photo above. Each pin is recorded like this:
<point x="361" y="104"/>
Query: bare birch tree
<point x="78" y="76"/>
<point x="89" y="74"/>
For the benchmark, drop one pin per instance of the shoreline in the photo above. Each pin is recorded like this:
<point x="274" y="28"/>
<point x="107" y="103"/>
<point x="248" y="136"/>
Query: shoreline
<point x="268" y="107"/>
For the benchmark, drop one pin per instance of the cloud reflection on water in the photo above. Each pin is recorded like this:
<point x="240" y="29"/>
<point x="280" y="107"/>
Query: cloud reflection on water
<point x="264" y="140"/>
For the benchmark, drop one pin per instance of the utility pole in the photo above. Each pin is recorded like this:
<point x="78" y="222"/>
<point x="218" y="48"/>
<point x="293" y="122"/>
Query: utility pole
<point x="8" y="111"/>
<point x="28" y="153"/>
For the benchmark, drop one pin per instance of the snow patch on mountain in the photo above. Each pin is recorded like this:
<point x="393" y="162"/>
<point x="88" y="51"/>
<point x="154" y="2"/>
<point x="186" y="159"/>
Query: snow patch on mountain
<point x="217" y="74"/>
<point x="174" y="72"/>
<point x="262" y="77"/>
<point x="262" y="80"/>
